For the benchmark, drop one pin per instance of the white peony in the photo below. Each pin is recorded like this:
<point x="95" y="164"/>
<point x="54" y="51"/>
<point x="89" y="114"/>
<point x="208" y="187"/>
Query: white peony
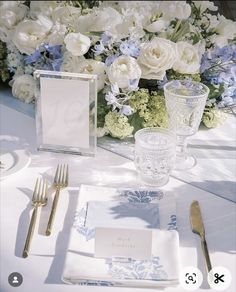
<point x="175" y="9"/>
<point x="10" y="16"/>
<point x="24" y="87"/>
<point x="29" y="34"/>
<point x="188" y="59"/>
<point x="81" y="65"/>
<point x="204" y="5"/>
<point x="77" y="43"/>
<point x="90" y="66"/>
<point x="226" y="28"/>
<point x="156" y="57"/>
<point x="123" y="70"/>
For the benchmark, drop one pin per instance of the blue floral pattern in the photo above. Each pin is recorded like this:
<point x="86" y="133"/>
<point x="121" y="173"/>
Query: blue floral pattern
<point x="172" y="225"/>
<point x="79" y="225"/>
<point x="141" y="196"/>
<point x="138" y="270"/>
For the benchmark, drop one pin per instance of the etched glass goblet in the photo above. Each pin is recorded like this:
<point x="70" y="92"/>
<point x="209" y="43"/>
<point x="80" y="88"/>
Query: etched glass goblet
<point x="185" y="103"/>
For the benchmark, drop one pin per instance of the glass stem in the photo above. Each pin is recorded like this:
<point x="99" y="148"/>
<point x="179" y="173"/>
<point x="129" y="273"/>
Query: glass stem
<point x="181" y="147"/>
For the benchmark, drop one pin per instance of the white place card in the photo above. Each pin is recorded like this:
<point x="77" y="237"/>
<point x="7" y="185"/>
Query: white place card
<point x="123" y="242"/>
<point x="66" y="112"/>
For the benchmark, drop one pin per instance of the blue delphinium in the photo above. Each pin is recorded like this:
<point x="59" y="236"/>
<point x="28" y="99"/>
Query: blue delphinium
<point x="118" y="100"/>
<point x="46" y="57"/>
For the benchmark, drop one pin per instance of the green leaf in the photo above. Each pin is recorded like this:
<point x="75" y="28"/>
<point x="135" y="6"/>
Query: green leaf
<point x="136" y="121"/>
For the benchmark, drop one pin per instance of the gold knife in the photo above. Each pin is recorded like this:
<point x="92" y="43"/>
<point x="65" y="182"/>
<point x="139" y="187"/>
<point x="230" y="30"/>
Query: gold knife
<point x="198" y="228"/>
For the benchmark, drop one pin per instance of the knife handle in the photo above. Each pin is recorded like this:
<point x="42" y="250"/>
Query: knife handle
<point x="206" y="255"/>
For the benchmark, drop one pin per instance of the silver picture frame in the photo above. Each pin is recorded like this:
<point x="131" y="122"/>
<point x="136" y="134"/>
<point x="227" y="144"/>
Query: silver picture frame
<point x="66" y="112"/>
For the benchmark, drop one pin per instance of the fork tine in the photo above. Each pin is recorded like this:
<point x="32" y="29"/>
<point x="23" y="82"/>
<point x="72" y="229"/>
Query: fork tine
<point x="64" y="174"/>
<point x="42" y="191"/>
<point x="39" y="191"/>
<point x="67" y="175"/>
<point x="61" y="174"/>
<point x="45" y="197"/>
<point x="56" y="178"/>
<point x="35" y="190"/>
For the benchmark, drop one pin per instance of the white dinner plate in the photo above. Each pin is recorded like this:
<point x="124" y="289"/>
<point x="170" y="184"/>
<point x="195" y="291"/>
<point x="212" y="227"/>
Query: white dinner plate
<point x="13" y="158"/>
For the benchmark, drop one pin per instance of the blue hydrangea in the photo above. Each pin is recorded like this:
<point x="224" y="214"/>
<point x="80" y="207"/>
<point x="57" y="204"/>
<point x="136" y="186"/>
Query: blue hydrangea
<point x="130" y="48"/>
<point x="110" y="59"/>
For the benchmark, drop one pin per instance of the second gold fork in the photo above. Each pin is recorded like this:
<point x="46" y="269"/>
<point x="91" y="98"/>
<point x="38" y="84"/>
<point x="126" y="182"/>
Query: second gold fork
<point x="60" y="181"/>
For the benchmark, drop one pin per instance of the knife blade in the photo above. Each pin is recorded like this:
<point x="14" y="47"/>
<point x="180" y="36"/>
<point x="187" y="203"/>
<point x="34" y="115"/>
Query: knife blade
<point x="196" y="219"/>
<point x="198" y="228"/>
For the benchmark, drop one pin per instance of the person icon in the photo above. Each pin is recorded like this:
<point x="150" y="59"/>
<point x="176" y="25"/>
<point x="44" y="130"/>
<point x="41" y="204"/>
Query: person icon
<point x="15" y="280"/>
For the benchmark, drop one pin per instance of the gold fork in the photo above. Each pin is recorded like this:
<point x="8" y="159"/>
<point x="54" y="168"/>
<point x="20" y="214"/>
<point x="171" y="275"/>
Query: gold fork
<point x="39" y="199"/>
<point x="60" y="181"/>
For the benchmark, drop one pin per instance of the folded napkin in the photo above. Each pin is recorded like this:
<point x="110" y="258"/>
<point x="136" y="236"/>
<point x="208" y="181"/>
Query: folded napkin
<point x="100" y="206"/>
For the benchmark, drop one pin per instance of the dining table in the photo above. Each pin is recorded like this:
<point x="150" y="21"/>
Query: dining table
<point x="212" y="184"/>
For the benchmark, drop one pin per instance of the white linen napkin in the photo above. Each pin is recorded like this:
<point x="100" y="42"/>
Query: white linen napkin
<point x="81" y="267"/>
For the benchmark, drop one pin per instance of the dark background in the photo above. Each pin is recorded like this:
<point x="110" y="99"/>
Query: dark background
<point x="227" y="8"/>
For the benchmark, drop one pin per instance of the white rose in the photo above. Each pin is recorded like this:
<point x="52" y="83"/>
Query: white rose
<point x="175" y="9"/>
<point x="67" y="15"/>
<point x="10" y="16"/>
<point x="42" y="8"/>
<point x="219" y="40"/>
<point x="188" y="59"/>
<point x="28" y="35"/>
<point x="57" y="34"/>
<point x="226" y="28"/>
<point x="122" y="70"/>
<point x="24" y="87"/>
<point x="71" y="63"/>
<point x="105" y="19"/>
<point x="156" y="57"/>
<point x="204" y="5"/>
<point x="77" y="43"/>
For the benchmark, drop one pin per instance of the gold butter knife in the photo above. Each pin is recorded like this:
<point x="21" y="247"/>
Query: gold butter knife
<point x="198" y="228"/>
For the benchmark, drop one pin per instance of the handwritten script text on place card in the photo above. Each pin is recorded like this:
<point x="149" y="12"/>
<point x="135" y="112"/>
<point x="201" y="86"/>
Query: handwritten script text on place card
<point x="122" y="242"/>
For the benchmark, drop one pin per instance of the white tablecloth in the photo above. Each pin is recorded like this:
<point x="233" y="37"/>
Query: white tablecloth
<point x="42" y="270"/>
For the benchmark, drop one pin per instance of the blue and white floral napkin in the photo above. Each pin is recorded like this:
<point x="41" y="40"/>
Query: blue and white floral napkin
<point x="81" y="267"/>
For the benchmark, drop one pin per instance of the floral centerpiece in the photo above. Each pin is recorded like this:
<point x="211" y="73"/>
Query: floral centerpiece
<point x="134" y="47"/>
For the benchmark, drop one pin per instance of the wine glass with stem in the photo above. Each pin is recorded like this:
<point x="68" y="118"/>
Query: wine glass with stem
<point x="185" y="103"/>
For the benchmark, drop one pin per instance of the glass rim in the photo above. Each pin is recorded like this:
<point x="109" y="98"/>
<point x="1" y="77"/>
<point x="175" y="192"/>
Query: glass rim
<point x="165" y="131"/>
<point x="186" y="96"/>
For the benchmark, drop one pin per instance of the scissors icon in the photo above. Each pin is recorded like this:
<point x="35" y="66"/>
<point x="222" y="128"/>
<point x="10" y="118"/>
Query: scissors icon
<point x="218" y="278"/>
